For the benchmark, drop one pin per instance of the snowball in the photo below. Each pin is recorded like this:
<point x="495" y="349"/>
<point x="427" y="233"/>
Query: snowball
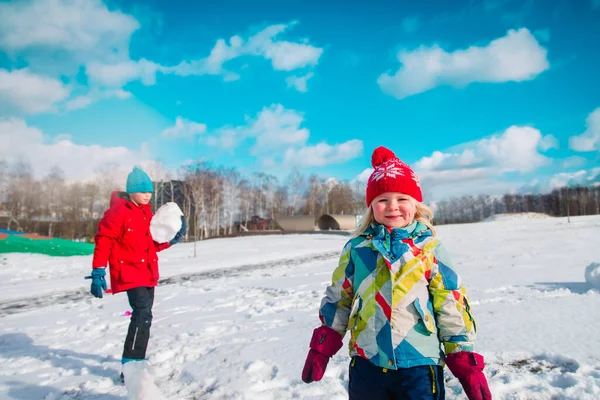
<point x="592" y="274"/>
<point x="166" y="222"/>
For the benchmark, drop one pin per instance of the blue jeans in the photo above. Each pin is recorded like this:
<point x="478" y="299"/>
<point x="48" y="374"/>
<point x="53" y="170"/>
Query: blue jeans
<point x="368" y="381"/>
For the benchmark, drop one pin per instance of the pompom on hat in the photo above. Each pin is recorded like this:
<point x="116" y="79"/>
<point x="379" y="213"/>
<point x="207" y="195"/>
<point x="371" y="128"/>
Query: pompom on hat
<point x="391" y="175"/>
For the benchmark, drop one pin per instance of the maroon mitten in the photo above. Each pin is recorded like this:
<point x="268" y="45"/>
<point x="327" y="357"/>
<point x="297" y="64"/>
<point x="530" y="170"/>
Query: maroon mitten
<point x="324" y="344"/>
<point x="468" y="368"/>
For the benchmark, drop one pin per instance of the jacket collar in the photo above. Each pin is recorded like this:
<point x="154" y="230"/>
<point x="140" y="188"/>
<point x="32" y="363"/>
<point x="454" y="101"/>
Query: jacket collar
<point x="381" y="232"/>
<point x="122" y="198"/>
<point x="389" y="241"/>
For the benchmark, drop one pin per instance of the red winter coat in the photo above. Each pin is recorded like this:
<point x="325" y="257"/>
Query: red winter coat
<point x="124" y="243"/>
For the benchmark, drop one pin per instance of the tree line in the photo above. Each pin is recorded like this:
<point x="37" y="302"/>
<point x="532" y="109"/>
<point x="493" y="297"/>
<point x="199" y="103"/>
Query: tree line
<point x="220" y="201"/>
<point x="560" y="202"/>
<point x="215" y="200"/>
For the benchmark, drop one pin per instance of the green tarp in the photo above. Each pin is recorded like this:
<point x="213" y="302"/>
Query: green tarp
<point x="51" y="247"/>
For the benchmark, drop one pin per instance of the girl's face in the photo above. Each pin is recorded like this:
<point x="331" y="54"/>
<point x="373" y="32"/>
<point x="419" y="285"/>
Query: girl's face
<point x="393" y="209"/>
<point x="141" y="198"/>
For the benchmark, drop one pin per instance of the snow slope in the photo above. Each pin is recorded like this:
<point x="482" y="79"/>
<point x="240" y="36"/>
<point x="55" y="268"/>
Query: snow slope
<point x="243" y="333"/>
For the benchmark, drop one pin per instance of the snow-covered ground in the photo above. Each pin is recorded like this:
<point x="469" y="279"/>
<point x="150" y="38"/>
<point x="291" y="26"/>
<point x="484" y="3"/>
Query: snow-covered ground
<point x="516" y="216"/>
<point x="239" y="327"/>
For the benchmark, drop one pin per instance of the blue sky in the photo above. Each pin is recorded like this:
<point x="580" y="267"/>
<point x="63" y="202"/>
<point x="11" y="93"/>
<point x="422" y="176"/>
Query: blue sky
<point x="478" y="96"/>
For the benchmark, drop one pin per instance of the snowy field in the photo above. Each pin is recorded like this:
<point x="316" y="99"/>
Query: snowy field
<point x="235" y="322"/>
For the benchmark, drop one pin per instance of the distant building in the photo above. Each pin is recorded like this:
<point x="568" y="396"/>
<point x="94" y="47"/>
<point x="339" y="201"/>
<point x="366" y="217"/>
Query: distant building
<point x="326" y="222"/>
<point x="296" y="223"/>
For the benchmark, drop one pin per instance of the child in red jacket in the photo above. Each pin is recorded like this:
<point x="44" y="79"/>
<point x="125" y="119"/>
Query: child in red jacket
<point x="125" y="244"/>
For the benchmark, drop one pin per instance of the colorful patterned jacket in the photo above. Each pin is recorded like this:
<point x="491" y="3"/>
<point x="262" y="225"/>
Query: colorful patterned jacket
<point x="400" y="298"/>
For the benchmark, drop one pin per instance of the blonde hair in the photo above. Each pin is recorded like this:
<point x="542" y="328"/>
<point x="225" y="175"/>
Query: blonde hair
<point x="423" y="214"/>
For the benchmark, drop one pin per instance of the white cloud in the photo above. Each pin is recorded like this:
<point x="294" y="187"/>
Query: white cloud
<point x="515" y="150"/>
<point x="18" y="141"/>
<point x="29" y="92"/>
<point x="276" y="127"/>
<point x="574" y="161"/>
<point x="323" y="154"/>
<point x="299" y="82"/>
<point x="363" y="177"/>
<point x="95" y="95"/>
<point x="213" y="64"/>
<point x="268" y="162"/>
<point x="184" y="129"/>
<point x="410" y="24"/>
<point x="549" y="142"/>
<point x="288" y="56"/>
<point x="79" y="102"/>
<point x="515" y="57"/>
<point x="578" y="178"/>
<point x="57" y="37"/>
<point x="81" y="27"/>
<point x="272" y="129"/>
<point x="225" y="138"/>
<point x="590" y="139"/>
<point x="498" y="164"/>
<point x="277" y="137"/>
<point x="118" y="74"/>
<point x="284" y="55"/>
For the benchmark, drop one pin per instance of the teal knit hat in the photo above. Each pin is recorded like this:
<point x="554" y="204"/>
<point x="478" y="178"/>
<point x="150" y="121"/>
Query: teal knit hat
<point x="139" y="181"/>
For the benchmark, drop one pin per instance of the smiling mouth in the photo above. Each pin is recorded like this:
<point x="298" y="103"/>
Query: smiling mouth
<point x="392" y="216"/>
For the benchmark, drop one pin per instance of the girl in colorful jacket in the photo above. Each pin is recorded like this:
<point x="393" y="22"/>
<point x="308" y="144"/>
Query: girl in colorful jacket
<point x="125" y="244"/>
<point x="397" y="293"/>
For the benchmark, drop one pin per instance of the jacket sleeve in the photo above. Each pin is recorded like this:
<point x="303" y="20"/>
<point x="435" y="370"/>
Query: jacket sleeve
<point x="456" y="325"/>
<point x="110" y="230"/>
<point x="336" y="305"/>
<point x="161" y="246"/>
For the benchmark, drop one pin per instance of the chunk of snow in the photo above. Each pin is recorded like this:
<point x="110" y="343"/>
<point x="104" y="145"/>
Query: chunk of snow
<point x="139" y="382"/>
<point x="592" y="274"/>
<point x="166" y="222"/>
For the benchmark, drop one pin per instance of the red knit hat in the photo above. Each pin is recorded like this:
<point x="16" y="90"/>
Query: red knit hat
<point x="391" y="175"/>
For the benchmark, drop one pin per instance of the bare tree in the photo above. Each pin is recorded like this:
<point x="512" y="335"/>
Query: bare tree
<point x="246" y="192"/>
<point x="108" y="179"/>
<point x="312" y="196"/>
<point x="75" y="209"/>
<point x="159" y="175"/>
<point x="20" y="194"/>
<point x="53" y="191"/>
<point x="196" y="178"/>
<point x="281" y="204"/>
<point x="214" y="190"/>
<point x="326" y="189"/>
<point x="231" y="192"/>
<point x="341" y="199"/>
<point x="296" y="187"/>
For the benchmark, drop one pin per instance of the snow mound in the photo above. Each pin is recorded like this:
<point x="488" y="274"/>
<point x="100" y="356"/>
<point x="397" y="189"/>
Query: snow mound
<point x="592" y="274"/>
<point x="139" y="382"/>
<point x="516" y="216"/>
<point x="166" y="222"/>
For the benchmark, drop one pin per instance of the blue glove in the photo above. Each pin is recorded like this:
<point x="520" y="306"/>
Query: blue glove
<point x="179" y="234"/>
<point x="98" y="282"/>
